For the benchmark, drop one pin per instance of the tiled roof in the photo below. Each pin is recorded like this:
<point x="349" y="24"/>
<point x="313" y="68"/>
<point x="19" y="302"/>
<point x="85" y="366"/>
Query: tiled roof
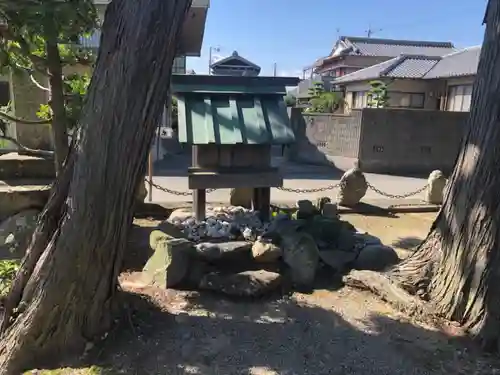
<point x="393" y="47"/>
<point x="362" y="46"/>
<point x="461" y="63"/>
<point x="411" y="67"/>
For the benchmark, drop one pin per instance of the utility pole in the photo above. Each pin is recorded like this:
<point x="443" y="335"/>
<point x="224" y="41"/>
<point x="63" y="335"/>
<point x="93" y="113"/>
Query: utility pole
<point x="210" y="50"/>
<point x="275" y="69"/>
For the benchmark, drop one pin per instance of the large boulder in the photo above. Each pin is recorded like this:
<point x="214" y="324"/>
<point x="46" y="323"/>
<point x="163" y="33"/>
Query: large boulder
<point x="376" y="257"/>
<point x="16" y="232"/>
<point x="170" y="263"/>
<point x="301" y="254"/>
<point x="338" y="260"/>
<point x="264" y="251"/>
<point x="231" y="251"/>
<point x="243" y="284"/>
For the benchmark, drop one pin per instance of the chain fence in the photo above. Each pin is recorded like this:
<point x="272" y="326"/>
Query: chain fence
<point x="304" y="191"/>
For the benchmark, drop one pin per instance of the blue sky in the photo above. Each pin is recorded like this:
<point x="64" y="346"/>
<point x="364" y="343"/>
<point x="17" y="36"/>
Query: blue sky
<point x="294" y="33"/>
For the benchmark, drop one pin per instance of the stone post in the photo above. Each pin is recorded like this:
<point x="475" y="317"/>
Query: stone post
<point x="353" y="187"/>
<point x="436" y="184"/>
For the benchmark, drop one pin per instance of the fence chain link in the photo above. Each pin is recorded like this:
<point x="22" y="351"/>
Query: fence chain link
<point x="303" y="191"/>
<point x="396" y="196"/>
<point x="314" y="190"/>
<point x="175" y="192"/>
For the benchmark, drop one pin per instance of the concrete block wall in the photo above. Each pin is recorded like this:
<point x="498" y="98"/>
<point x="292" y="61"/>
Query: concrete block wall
<point x="410" y="141"/>
<point x="382" y="140"/>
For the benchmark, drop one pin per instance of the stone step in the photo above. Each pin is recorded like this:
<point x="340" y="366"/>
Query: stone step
<point x="15" y="166"/>
<point x="20" y="195"/>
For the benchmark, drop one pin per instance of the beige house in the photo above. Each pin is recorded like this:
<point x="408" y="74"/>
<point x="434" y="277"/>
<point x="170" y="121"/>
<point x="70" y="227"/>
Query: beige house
<point x="350" y="54"/>
<point x="25" y="97"/>
<point x="417" y="81"/>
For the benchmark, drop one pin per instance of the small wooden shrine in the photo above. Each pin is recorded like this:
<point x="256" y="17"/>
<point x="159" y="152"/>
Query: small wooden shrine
<point x="231" y="123"/>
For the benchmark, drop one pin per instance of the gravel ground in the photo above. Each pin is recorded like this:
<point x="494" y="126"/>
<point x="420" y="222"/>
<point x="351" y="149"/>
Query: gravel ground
<point x="333" y="331"/>
<point x="327" y="332"/>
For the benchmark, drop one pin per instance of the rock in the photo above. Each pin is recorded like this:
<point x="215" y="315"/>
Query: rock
<point x="300" y="253"/>
<point x="353" y="187"/>
<point x="243" y="284"/>
<point x="241" y="197"/>
<point x="367" y="239"/>
<point x="179" y="215"/>
<point x="436" y="184"/>
<point x="265" y="251"/>
<point x="330" y="210"/>
<point x="320" y="203"/>
<point x="338" y="259"/>
<point x="305" y="209"/>
<point x="248" y="234"/>
<point x="16" y="232"/>
<point x="376" y="258"/>
<point x="196" y="271"/>
<point x="170" y="230"/>
<point x="170" y="262"/>
<point x="233" y="250"/>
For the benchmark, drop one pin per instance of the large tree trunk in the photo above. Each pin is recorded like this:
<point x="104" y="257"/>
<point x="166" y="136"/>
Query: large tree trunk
<point x="63" y="296"/>
<point x="457" y="268"/>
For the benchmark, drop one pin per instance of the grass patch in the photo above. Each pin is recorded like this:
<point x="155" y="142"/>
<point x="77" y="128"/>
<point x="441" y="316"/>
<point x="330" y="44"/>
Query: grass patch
<point x="8" y="269"/>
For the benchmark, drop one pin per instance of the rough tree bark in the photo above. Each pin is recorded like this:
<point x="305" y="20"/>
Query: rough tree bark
<point x="59" y="125"/>
<point x="63" y="296"/>
<point x="457" y="268"/>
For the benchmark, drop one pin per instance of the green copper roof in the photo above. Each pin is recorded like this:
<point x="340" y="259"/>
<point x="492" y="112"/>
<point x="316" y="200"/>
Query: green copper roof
<point x="232" y="110"/>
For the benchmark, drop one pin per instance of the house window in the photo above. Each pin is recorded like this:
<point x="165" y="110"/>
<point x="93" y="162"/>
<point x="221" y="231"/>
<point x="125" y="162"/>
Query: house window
<point x="359" y="99"/>
<point x="459" y="98"/>
<point x="406" y="100"/>
<point x="179" y="66"/>
<point x="4" y="93"/>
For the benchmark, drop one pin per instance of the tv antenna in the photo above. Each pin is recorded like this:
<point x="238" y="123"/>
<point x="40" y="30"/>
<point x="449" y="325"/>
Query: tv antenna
<point x="372" y="31"/>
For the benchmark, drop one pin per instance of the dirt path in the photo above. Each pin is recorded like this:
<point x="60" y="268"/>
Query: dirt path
<point x="403" y="231"/>
<point x="330" y="331"/>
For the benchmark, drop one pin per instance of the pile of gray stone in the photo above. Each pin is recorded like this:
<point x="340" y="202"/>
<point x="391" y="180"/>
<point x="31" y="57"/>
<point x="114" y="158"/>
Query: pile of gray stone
<point x="234" y="253"/>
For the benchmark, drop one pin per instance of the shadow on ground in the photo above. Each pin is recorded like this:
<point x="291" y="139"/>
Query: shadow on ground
<point x="408" y="243"/>
<point x="177" y="166"/>
<point x="204" y="334"/>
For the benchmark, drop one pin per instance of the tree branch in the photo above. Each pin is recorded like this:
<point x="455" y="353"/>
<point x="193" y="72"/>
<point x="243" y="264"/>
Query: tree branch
<point x="37" y="84"/>
<point x="38" y="62"/>
<point x="29" y="151"/>
<point x="21" y="121"/>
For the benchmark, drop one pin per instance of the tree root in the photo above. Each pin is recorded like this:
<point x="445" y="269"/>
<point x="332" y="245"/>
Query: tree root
<point x="380" y="285"/>
<point x="414" y="274"/>
<point x="406" y="286"/>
